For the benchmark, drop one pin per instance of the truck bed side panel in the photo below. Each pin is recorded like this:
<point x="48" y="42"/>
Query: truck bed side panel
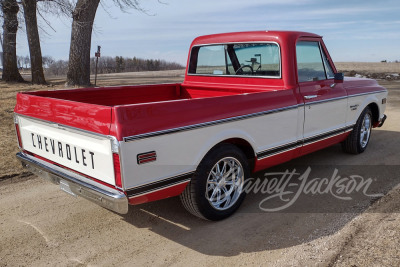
<point x="152" y="117"/>
<point x="181" y="133"/>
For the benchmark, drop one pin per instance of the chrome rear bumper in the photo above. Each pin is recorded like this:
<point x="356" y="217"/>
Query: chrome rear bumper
<point x="382" y="121"/>
<point x="104" y="196"/>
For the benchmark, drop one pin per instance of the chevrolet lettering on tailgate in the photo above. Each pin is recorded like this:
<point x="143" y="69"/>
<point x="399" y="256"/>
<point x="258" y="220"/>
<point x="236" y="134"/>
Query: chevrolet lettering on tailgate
<point x="61" y="149"/>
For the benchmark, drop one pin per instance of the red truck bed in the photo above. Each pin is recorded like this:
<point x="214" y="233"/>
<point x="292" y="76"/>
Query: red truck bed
<point x="129" y="95"/>
<point x="131" y="110"/>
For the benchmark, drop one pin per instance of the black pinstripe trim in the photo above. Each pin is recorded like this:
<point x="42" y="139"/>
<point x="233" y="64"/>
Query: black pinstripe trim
<point x="277" y="150"/>
<point x="309" y="140"/>
<point x="147" y="188"/>
<point x="326" y="135"/>
<point x="208" y="124"/>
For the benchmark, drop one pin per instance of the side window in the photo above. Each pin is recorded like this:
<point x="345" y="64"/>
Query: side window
<point x="329" y="71"/>
<point x="309" y="62"/>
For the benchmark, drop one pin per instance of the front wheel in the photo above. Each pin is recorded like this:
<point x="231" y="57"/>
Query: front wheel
<point x="216" y="189"/>
<point x="358" y="139"/>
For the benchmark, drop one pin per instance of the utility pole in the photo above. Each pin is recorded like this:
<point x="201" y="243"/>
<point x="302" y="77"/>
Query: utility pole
<point x="97" y="55"/>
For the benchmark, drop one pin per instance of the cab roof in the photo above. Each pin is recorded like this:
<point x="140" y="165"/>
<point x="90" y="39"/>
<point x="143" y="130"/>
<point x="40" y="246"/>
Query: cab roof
<point x="252" y="36"/>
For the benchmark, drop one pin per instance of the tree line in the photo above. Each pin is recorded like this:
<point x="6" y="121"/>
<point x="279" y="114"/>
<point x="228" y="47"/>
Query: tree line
<point x="82" y="13"/>
<point x="112" y="65"/>
<point x="126" y="64"/>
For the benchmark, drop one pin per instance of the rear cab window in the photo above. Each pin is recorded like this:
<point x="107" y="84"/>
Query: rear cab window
<point x="236" y="59"/>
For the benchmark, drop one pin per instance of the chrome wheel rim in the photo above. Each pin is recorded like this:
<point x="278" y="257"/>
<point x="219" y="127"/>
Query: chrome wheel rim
<point x="225" y="183"/>
<point x="365" y="130"/>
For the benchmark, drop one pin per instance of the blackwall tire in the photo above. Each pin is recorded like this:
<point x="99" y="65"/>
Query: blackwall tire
<point x="215" y="191"/>
<point x="357" y="141"/>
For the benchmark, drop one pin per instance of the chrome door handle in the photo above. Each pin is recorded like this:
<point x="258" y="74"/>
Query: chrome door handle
<point x="310" y="96"/>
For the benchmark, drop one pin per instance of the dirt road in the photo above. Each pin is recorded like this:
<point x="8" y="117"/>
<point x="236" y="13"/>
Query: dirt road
<point x="42" y="226"/>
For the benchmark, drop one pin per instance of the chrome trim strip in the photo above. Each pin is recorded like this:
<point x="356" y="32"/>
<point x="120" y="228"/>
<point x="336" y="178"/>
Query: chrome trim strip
<point x="66" y="127"/>
<point x="102" y="195"/>
<point x="207" y="124"/>
<point x="238" y="76"/>
<point x="325" y="100"/>
<point x="342" y="97"/>
<point x="308" y="97"/>
<point x="368" y="93"/>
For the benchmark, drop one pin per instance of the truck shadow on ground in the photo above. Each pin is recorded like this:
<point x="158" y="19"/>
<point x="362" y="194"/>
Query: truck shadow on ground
<point x="360" y="181"/>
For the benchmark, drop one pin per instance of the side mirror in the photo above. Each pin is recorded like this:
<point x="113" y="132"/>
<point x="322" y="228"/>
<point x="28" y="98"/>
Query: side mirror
<point x="339" y="77"/>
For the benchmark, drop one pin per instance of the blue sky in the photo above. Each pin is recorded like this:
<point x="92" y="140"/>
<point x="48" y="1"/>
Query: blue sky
<point x="353" y="30"/>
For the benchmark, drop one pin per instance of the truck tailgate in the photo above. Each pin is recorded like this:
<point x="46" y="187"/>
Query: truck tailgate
<point x="69" y="133"/>
<point x="86" y="153"/>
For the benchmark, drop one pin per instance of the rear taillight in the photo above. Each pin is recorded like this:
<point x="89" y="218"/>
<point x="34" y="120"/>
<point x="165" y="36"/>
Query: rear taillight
<point x="18" y="135"/>
<point x="117" y="170"/>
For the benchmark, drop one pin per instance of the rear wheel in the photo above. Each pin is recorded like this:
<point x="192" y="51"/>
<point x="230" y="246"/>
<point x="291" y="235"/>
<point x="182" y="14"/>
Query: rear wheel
<point x="216" y="189"/>
<point x="358" y="139"/>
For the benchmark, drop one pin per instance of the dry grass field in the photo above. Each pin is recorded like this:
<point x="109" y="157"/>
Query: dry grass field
<point x="371" y="67"/>
<point x="42" y="226"/>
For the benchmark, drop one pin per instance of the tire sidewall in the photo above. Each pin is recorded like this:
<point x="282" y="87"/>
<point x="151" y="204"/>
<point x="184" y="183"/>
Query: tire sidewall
<point x="366" y="111"/>
<point x="202" y="173"/>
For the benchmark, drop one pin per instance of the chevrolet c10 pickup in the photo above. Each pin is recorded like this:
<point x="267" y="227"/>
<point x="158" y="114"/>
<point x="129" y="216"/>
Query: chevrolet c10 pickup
<point x="249" y="101"/>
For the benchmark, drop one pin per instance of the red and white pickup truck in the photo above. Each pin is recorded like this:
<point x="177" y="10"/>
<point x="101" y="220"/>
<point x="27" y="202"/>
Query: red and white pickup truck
<point x="250" y="100"/>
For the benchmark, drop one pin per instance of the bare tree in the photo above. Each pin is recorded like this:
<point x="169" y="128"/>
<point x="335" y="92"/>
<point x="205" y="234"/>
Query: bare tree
<point x="81" y="36"/>
<point x="10" y="26"/>
<point x="33" y="41"/>
<point x="47" y="61"/>
<point x="20" y="62"/>
<point x="58" y="67"/>
<point x="27" y="61"/>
